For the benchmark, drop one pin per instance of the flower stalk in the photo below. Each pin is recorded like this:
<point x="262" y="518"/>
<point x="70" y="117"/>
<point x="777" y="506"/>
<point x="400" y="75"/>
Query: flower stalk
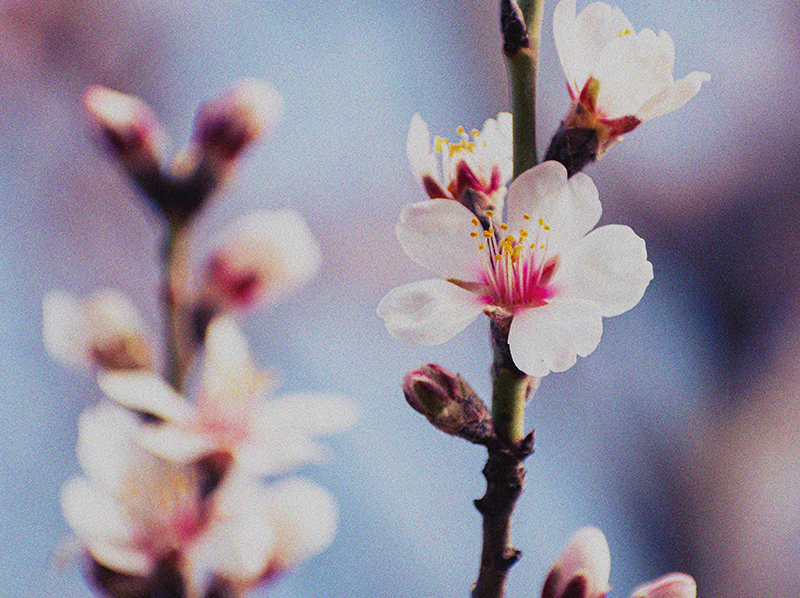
<point x="521" y="26"/>
<point x="179" y="333"/>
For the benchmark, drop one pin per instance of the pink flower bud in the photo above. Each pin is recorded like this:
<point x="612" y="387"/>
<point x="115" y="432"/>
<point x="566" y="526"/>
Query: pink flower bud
<point x="448" y="402"/>
<point x="128" y="127"/>
<point x="673" y="585"/>
<point x="260" y="257"/>
<point x="227" y="125"/>
<point x="586" y="555"/>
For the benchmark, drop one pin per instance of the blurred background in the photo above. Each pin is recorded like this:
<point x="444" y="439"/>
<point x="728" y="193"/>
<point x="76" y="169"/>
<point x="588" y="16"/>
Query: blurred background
<point x="678" y="436"/>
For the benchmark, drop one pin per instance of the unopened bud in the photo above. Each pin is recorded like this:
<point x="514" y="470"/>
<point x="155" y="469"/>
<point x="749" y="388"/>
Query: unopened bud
<point x="226" y="126"/>
<point x="448" y="402"/>
<point x="583" y="569"/>
<point x="674" y="585"/>
<point x="129" y="129"/>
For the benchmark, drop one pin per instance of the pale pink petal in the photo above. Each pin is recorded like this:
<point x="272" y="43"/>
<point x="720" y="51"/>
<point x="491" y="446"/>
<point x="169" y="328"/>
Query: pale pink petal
<point x="673" y="97"/>
<point x="631" y="70"/>
<point x="419" y="151"/>
<point x="673" y="585"/>
<point x="240" y="541"/>
<point x="570" y="207"/>
<point x="586" y="554"/>
<point x="428" y="312"/>
<point x="145" y="392"/>
<point x="550" y="337"/>
<point x="436" y="235"/>
<point x="608" y="267"/>
<point x="304" y="516"/>
<point x="173" y="442"/>
<point x="230" y="381"/>
<point x="106" y="450"/>
<point x="64" y="330"/>
<point x="92" y="512"/>
<point x="120" y="557"/>
<point x="310" y="413"/>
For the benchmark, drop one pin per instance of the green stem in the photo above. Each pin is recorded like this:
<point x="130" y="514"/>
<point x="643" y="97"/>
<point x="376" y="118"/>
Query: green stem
<point x="178" y="333"/>
<point x="522" y="28"/>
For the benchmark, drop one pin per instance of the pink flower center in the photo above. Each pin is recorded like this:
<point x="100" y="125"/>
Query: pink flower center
<point x="517" y="271"/>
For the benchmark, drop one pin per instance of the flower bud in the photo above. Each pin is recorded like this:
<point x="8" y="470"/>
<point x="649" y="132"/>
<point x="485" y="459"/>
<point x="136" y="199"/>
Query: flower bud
<point x="128" y="128"/>
<point x="103" y="331"/>
<point x="226" y="126"/>
<point x="673" y="585"/>
<point x="261" y="257"/>
<point x="583" y="569"/>
<point x="448" y="402"/>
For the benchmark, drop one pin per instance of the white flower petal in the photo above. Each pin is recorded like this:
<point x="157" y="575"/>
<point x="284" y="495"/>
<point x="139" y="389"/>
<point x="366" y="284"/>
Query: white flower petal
<point x="570" y="207"/>
<point x="240" y="541"/>
<point x="586" y="553"/>
<point x="608" y="267"/>
<point x="64" y="330"/>
<point x="436" y="235"/>
<point x="673" y="97"/>
<point x="174" y="443"/>
<point x="304" y="516"/>
<point x="550" y="337"/>
<point x="428" y="312"/>
<point x="121" y="558"/>
<point x="92" y="512"/>
<point x="418" y="149"/>
<point x="631" y="70"/>
<point x="673" y="585"/>
<point x="310" y="413"/>
<point x="580" y="39"/>
<point x="106" y="450"/>
<point x="145" y="392"/>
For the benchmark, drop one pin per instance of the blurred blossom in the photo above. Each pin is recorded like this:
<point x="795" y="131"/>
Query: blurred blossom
<point x="479" y="163"/>
<point x="616" y="78"/>
<point x="102" y="331"/>
<point x="142" y="516"/>
<point x="230" y="412"/>
<point x="260" y="257"/>
<point x="584" y="567"/>
<point x="226" y="126"/>
<point x="549" y="283"/>
<point x="128" y="127"/>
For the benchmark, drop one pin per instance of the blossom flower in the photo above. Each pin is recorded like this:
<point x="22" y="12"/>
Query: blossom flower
<point x="582" y="571"/>
<point x="229" y="413"/>
<point x="262" y="256"/>
<point x="616" y="77"/>
<point x="480" y="161"/>
<point x="540" y="276"/>
<point x="135" y="512"/>
<point x="226" y="126"/>
<point x="102" y="331"/>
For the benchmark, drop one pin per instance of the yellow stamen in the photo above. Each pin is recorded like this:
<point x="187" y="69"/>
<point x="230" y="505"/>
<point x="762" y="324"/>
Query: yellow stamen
<point x="487" y="234"/>
<point x="546" y="227"/>
<point x="625" y="31"/>
<point x="475" y="221"/>
<point x="541" y="221"/>
<point x="473" y="234"/>
<point x="526" y="216"/>
<point x="460" y="130"/>
<point x="481" y="246"/>
<point x="475" y="133"/>
<point x="523" y="233"/>
<point x="504" y="226"/>
<point x="490" y="214"/>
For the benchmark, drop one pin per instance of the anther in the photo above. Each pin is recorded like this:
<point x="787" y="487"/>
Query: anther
<point x="490" y="213"/>
<point x="473" y="234"/>
<point x="504" y="226"/>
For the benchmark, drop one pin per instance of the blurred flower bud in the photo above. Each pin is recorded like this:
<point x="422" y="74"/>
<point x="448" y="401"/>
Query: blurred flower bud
<point x="583" y="569"/>
<point x="103" y="331"/>
<point x="226" y="126"/>
<point x="448" y="402"/>
<point x="673" y="585"/>
<point x="261" y="257"/>
<point x="128" y="128"/>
